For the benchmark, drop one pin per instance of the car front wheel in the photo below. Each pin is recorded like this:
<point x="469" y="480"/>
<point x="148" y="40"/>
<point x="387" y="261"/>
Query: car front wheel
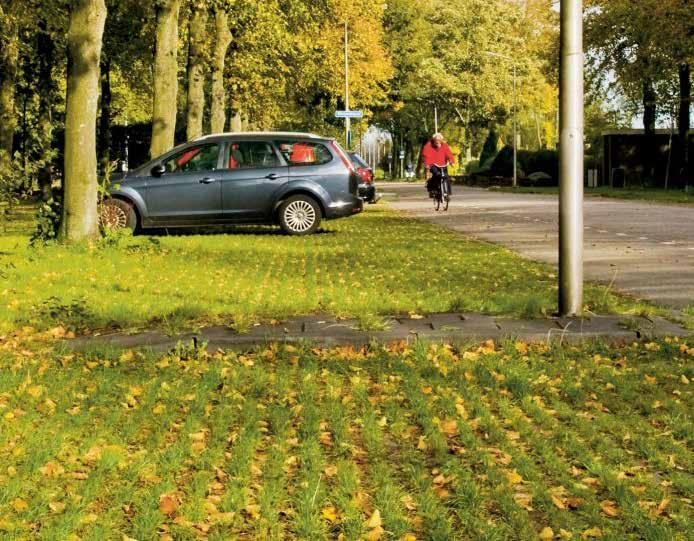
<point x="299" y="215"/>
<point x="117" y="214"/>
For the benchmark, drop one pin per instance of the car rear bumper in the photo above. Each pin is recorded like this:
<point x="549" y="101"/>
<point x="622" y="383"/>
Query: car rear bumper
<point x="341" y="209"/>
<point x="367" y="192"/>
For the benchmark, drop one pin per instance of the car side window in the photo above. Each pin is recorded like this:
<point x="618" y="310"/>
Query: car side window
<point x="194" y="159"/>
<point x="251" y="155"/>
<point x="304" y="153"/>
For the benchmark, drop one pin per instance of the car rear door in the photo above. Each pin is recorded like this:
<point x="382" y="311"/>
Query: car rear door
<point x="189" y="191"/>
<point x="253" y="172"/>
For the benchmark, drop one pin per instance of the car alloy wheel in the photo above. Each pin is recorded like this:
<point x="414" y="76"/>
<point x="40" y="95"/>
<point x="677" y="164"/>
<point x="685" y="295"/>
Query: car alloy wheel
<point x="299" y="215"/>
<point x="117" y="214"/>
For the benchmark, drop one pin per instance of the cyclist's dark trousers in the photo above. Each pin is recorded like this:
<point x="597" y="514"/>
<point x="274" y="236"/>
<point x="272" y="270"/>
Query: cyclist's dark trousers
<point x="434" y="183"/>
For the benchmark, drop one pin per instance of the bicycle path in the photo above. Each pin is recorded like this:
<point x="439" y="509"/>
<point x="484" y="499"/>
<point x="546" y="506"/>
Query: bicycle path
<point x="643" y="249"/>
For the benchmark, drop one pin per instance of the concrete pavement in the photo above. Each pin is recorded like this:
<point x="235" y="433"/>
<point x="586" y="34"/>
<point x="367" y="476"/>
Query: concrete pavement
<point x="450" y="328"/>
<point x="645" y="249"/>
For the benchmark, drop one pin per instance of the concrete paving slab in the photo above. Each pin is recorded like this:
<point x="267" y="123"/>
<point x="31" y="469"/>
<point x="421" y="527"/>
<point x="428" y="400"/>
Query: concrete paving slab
<point x="437" y="327"/>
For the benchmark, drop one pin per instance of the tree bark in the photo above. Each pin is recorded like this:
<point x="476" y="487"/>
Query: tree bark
<point x="46" y="54"/>
<point x="196" y="71"/>
<point x="222" y="42"/>
<point x="84" y="39"/>
<point x="105" y="116"/>
<point x="165" y="77"/>
<point x="9" y="66"/>
<point x="649" y="118"/>
<point x="684" y="123"/>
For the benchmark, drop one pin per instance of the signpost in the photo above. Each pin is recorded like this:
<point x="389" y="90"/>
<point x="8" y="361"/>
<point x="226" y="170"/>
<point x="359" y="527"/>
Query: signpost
<point x="402" y="163"/>
<point x="349" y="114"/>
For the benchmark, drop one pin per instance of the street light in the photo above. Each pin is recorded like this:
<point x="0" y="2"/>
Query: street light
<point x="571" y="148"/>
<point x="515" y="121"/>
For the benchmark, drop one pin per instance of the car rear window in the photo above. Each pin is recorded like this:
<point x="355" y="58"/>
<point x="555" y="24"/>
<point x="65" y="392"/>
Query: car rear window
<point x="358" y="161"/>
<point x="304" y="153"/>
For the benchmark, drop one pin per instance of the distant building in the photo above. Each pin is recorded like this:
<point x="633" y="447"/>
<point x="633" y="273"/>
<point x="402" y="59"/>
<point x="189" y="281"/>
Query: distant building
<point x="628" y="159"/>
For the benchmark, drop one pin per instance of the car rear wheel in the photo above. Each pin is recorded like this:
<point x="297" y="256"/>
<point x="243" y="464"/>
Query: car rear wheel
<point x="117" y="214"/>
<point x="299" y="215"/>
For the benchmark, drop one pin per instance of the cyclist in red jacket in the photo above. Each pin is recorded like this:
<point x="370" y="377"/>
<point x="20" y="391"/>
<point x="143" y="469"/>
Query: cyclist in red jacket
<point x="436" y="153"/>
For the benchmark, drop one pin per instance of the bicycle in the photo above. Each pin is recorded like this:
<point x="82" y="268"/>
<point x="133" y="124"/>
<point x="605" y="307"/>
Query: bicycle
<point x="440" y="195"/>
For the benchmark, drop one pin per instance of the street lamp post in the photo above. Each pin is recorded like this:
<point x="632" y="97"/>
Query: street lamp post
<point x="515" y="115"/>
<point x="571" y="151"/>
<point x="348" y="122"/>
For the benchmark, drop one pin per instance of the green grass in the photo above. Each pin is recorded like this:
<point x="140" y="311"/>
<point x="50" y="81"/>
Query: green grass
<point x="371" y="266"/>
<point x="654" y="195"/>
<point x="417" y="441"/>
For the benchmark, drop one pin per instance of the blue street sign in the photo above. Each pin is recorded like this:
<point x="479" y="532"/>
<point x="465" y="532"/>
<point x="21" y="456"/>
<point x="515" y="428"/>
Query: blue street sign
<point x="349" y="114"/>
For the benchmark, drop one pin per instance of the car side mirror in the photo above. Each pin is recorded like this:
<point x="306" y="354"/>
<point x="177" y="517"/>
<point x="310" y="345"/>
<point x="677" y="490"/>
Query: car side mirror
<point x="158" y="170"/>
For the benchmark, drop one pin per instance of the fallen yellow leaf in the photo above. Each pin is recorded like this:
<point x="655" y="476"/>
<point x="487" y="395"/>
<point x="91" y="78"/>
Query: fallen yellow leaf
<point x="546" y="533"/>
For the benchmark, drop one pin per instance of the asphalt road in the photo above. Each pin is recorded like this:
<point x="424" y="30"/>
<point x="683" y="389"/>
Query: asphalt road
<point x="644" y="249"/>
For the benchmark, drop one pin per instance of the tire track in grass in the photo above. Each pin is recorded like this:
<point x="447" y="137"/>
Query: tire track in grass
<point x="173" y="464"/>
<point x="569" y="432"/>
<point x="616" y="380"/>
<point x="237" y="498"/>
<point x="515" y="519"/>
<point x="379" y="470"/>
<point x="76" y="447"/>
<point x="273" y="497"/>
<point x="307" y="521"/>
<point x="343" y="475"/>
<point x="526" y="449"/>
<point x="612" y="435"/>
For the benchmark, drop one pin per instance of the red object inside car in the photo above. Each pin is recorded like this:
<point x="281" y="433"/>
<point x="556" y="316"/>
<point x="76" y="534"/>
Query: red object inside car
<point x="302" y="154"/>
<point x="366" y="174"/>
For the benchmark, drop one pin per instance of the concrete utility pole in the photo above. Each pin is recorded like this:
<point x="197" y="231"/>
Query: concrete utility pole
<point x="348" y="121"/>
<point x="571" y="160"/>
<point x="436" y="119"/>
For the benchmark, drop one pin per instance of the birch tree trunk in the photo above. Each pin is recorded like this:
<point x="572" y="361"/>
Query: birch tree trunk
<point x="165" y="77"/>
<point x="222" y="42"/>
<point x="196" y="71"/>
<point x="684" y="123"/>
<point x="84" y="39"/>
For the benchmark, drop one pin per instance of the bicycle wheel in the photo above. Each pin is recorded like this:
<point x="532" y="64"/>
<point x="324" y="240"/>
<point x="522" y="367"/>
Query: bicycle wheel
<point x="444" y="195"/>
<point x="437" y="201"/>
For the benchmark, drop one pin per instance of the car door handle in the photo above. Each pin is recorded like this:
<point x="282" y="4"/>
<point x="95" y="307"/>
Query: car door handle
<point x="272" y="176"/>
<point x="207" y="180"/>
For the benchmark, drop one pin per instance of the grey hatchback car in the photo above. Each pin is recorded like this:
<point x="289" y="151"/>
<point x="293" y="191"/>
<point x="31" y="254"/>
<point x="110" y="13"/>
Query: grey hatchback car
<point x="294" y="180"/>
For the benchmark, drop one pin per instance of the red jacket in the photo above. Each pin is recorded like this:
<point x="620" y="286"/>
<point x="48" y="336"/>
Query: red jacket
<point x="437" y="156"/>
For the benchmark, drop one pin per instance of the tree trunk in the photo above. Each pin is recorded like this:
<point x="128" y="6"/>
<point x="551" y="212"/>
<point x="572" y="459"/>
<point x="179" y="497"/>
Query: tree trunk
<point x="222" y="42"/>
<point x="196" y="71"/>
<point x="649" y="118"/>
<point x="46" y="89"/>
<point x="165" y="77"/>
<point x="9" y="66"/>
<point x="684" y="119"/>
<point x="84" y="40"/>
<point x="105" y="117"/>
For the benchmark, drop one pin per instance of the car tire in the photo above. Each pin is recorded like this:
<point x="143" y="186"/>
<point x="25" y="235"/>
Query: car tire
<point x="117" y="214"/>
<point x="299" y="215"/>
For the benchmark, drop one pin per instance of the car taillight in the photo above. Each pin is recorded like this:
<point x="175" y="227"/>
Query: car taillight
<point x="348" y="163"/>
<point x="365" y="174"/>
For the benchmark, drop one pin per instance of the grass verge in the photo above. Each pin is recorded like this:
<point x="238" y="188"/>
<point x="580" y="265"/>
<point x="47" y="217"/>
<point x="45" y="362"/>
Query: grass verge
<point x="372" y="265"/>
<point x="421" y="441"/>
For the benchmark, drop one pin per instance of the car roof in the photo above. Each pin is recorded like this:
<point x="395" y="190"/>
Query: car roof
<point x="263" y="135"/>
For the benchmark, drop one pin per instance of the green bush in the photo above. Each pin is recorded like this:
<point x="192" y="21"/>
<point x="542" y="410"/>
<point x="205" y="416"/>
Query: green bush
<point x="541" y="161"/>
